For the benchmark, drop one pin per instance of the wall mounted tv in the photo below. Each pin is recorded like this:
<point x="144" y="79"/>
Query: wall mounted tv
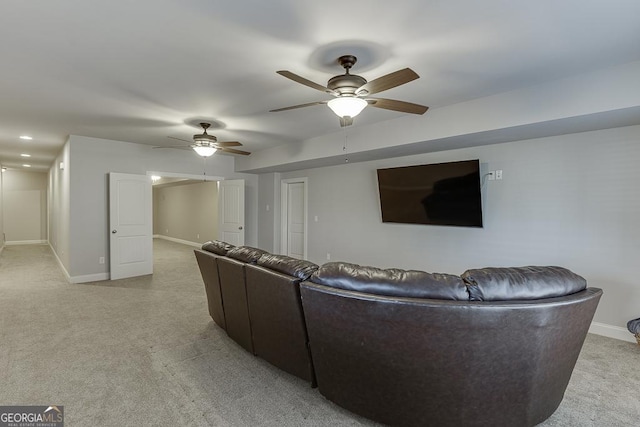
<point x="439" y="194"/>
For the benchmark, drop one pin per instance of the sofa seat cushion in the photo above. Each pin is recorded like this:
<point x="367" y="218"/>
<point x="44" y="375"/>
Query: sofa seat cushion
<point x="217" y="247"/>
<point x="246" y="254"/>
<point x="391" y="282"/>
<point x="521" y="283"/>
<point x="297" y="268"/>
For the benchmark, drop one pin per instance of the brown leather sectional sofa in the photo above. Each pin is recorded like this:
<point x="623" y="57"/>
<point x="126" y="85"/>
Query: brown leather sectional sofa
<point x="493" y="347"/>
<point x="255" y="297"/>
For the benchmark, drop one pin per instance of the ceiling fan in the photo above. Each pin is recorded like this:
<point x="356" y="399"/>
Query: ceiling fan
<point x="352" y="92"/>
<point x="205" y="145"/>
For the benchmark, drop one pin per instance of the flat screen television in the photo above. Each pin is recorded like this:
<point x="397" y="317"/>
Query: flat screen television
<point x="438" y="194"/>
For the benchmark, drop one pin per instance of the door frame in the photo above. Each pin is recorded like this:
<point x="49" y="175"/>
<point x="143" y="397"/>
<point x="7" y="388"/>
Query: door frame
<point x="192" y="177"/>
<point x="186" y="176"/>
<point x="284" y="213"/>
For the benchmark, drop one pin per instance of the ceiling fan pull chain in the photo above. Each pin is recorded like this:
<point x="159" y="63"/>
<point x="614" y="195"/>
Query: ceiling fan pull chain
<point x="204" y="168"/>
<point x="344" y="146"/>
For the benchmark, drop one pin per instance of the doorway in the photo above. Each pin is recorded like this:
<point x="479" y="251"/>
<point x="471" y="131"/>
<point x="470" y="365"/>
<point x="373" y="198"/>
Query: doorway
<point x="294" y="198"/>
<point x="185" y="207"/>
<point x="192" y="223"/>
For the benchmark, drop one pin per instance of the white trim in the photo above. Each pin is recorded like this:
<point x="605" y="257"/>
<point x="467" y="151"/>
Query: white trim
<point x="284" y="200"/>
<point x="611" y="332"/>
<point x="64" y="270"/>
<point x="79" y="279"/>
<point x="26" y="242"/>
<point x="173" y="239"/>
<point x="187" y="176"/>
<point x="89" y="278"/>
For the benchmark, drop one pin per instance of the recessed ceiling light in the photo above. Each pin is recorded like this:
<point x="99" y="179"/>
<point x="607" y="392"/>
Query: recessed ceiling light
<point x="27" y="166"/>
<point x="25" y="137"/>
<point x="3" y="169"/>
<point x="25" y="155"/>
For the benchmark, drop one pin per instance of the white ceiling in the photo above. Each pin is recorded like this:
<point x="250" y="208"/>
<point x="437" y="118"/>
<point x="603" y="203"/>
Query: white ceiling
<point x="143" y="70"/>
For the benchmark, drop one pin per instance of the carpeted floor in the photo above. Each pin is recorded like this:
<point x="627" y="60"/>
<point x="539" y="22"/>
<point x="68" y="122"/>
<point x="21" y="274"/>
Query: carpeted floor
<point x="145" y="352"/>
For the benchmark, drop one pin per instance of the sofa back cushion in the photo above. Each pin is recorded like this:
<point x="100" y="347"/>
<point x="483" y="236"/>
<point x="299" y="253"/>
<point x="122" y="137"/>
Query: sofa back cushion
<point x="521" y="283"/>
<point x="391" y="282"/>
<point x="298" y="268"/>
<point x="217" y="247"/>
<point x="246" y="254"/>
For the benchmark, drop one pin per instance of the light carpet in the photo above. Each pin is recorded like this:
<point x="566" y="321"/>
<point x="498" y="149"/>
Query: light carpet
<point x="145" y="352"/>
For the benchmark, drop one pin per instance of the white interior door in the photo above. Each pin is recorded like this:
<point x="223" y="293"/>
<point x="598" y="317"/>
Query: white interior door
<point x="294" y="218"/>
<point x="231" y="211"/>
<point x="130" y="225"/>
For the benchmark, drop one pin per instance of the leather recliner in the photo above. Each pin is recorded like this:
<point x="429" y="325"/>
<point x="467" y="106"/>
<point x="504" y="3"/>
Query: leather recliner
<point x="278" y="328"/>
<point x="231" y="269"/>
<point x="207" y="261"/>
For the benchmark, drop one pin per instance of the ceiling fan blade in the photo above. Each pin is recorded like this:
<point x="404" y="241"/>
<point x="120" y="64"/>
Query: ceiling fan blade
<point x="306" y="82"/>
<point x="179" y="139"/>
<point x="298" y="106"/>
<point x="234" y="151"/>
<point x="402" y="106"/>
<point x="228" y="144"/>
<point x="388" y="81"/>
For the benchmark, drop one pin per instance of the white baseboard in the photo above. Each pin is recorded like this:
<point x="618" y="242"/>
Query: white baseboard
<point x="90" y="278"/>
<point x="64" y="270"/>
<point x="173" y="239"/>
<point x="79" y="279"/>
<point x="611" y="332"/>
<point x="26" y="242"/>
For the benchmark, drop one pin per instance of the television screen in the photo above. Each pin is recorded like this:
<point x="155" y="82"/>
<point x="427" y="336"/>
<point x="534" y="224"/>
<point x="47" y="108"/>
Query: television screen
<point x="440" y="194"/>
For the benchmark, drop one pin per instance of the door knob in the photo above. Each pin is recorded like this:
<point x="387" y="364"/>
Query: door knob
<point x="240" y="228"/>
<point x="114" y="231"/>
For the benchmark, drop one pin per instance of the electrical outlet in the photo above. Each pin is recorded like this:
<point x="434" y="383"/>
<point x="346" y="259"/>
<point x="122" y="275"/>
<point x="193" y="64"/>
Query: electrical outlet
<point x="499" y="174"/>
<point x="328" y="256"/>
<point x="197" y="236"/>
<point x="491" y="175"/>
<point x="101" y="260"/>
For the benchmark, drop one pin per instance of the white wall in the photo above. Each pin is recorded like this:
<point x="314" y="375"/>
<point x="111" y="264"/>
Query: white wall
<point x="269" y="211"/>
<point x="59" y="206"/>
<point x="25" y="206"/>
<point x="186" y="212"/>
<point x="88" y="164"/>
<point x="569" y="200"/>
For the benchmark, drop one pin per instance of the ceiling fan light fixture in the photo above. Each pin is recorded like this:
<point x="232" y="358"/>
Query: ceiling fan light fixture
<point x="204" y="150"/>
<point x="205" y="138"/>
<point x="347" y="106"/>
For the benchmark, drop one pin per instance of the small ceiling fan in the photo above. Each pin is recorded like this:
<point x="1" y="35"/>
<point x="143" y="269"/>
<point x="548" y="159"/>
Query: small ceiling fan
<point x="205" y="145"/>
<point x="352" y="92"/>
